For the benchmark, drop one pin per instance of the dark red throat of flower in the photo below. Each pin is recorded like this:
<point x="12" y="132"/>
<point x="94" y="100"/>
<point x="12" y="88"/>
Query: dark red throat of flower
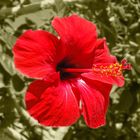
<point x="114" y="69"/>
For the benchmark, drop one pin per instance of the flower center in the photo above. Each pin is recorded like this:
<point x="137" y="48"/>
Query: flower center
<point x="61" y="67"/>
<point x="104" y="69"/>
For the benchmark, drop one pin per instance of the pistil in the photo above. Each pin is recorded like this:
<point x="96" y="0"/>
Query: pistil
<point x="114" y="69"/>
<point x="76" y="70"/>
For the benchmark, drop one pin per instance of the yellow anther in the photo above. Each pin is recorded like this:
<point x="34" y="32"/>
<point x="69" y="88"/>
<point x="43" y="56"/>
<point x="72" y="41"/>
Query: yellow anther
<point x="108" y="70"/>
<point x="110" y="66"/>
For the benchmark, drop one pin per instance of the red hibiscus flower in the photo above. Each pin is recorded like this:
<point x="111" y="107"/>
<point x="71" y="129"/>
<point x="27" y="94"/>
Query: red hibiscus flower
<point x="75" y="72"/>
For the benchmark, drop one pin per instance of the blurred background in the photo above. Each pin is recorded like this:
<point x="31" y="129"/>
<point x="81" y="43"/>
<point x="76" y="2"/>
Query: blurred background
<point x="117" y="20"/>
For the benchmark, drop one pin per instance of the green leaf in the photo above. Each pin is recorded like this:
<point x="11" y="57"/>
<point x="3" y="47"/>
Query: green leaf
<point x="5" y="2"/>
<point x="60" y="7"/>
<point x="8" y="38"/>
<point x="126" y="101"/>
<point x="1" y="80"/>
<point x="3" y="91"/>
<point x="7" y="63"/>
<point x="18" y="83"/>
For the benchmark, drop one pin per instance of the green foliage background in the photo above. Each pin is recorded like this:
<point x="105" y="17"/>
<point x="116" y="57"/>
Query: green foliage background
<point x="118" y="21"/>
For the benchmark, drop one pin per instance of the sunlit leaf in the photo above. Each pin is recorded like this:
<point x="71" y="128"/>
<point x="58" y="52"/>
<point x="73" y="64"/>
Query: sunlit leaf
<point x="7" y="63"/>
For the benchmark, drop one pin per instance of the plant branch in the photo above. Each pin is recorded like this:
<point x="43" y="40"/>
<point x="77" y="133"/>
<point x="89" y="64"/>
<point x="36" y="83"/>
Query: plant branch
<point x="26" y="9"/>
<point x="30" y="8"/>
<point x="12" y="134"/>
<point x="29" y="120"/>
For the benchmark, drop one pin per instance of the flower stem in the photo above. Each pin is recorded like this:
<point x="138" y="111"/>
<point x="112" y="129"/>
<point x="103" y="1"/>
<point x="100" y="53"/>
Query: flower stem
<point x="71" y="70"/>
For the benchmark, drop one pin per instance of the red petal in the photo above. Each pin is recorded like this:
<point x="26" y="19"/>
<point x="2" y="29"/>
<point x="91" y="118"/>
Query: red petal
<point x="34" y="53"/>
<point x="112" y="80"/>
<point x="102" y="54"/>
<point x="52" y="106"/>
<point x="101" y="57"/>
<point x="95" y="98"/>
<point x="78" y="37"/>
<point x="103" y="88"/>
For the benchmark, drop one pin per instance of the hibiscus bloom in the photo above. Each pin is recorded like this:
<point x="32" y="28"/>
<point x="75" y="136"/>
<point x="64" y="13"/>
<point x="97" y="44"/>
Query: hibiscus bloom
<point x="74" y="73"/>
